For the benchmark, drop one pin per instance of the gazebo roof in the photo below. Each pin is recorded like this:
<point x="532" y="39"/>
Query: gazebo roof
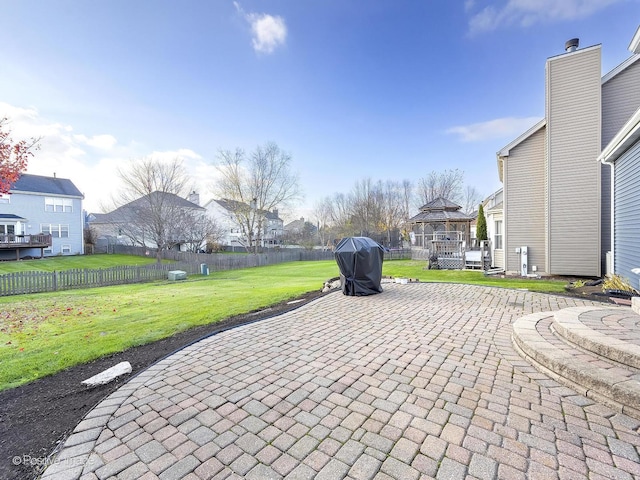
<point x="440" y="210"/>
<point x="440" y="204"/>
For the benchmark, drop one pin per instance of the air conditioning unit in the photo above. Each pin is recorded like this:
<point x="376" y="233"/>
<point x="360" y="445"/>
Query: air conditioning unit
<point x="177" y="275"/>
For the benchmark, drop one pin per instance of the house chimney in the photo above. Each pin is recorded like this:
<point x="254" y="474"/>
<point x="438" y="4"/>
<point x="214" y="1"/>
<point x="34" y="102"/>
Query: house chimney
<point x="571" y="45"/>
<point x="194" y="198"/>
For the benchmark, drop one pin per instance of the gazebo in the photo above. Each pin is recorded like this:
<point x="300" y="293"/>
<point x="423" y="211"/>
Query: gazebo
<point x="440" y="220"/>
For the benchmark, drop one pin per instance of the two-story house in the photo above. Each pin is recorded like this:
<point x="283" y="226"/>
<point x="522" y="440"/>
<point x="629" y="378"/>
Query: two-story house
<point x="158" y="219"/>
<point x="622" y="155"/>
<point x="556" y="195"/>
<point x="493" y="213"/>
<point x="224" y="213"/>
<point x="41" y="216"/>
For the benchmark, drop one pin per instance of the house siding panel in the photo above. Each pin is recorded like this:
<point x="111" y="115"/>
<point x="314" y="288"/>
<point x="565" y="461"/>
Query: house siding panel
<point x="620" y="99"/>
<point x="524" y="212"/>
<point x="32" y="208"/>
<point x="573" y="145"/>
<point x="627" y="219"/>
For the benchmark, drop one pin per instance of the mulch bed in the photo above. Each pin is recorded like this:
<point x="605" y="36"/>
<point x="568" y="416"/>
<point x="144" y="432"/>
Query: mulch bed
<point x="36" y="418"/>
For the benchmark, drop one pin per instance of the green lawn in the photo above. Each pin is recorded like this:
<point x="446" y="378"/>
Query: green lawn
<point x="49" y="264"/>
<point x="415" y="269"/>
<point x="42" y="334"/>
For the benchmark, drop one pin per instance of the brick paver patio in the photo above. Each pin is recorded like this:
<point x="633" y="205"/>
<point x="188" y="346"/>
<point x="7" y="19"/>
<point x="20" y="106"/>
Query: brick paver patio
<point x="420" y="381"/>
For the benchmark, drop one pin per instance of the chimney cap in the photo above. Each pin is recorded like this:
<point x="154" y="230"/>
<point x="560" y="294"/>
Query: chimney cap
<point x="572" y="45"/>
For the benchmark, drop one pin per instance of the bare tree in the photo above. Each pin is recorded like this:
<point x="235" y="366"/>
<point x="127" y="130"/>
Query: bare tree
<point x="322" y="214"/>
<point x="150" y="208"/>
<point x="407" y="202"/>
<point x="199" y="230"/>
<point x="393" y="213"/>
<point x="342" y="215"/>
<point x="367" y="206"/>
<point x="256" y="184"/>
<point x="471" y="199"/>
<point x="447" y="184"/>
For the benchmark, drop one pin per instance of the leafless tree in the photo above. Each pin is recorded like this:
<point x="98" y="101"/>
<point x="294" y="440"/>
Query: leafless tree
<point x="256" y="183"/>
<point x="342" y="215"/>
<point x="407" y="202"/>
<point x="367" y="206"/>
<point x="471" y="199"/>
<point x="446" y="184"/>
<point x="393" y="211"/>
<point x="199" y="230"/>
<point x="322" y="214"/>
<point x="150" y="208"/>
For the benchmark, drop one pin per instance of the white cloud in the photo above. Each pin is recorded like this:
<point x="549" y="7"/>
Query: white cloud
<point x="529" y="12"/>
<point x="498" y="128"/>
<point x="92" y="162"/>
<point x="101" y="142"/>
<point x="269" y="32"/>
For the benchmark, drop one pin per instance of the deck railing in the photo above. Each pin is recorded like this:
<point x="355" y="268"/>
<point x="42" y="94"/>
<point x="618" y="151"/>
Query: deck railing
<point x="24" y="241"/>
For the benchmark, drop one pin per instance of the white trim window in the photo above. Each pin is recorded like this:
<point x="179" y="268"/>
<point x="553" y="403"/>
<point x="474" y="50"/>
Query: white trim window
<point x="66" y="248"/>
<point x="497" y="237"/>
<point x="48" y="251"/>
<point x="58" y="205"/>
<point x="5" y="198"/>
<point x="56" y="231"/>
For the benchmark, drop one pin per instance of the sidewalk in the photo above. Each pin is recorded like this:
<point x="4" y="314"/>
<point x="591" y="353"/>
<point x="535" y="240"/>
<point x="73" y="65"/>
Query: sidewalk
<point x="421" y="381"/>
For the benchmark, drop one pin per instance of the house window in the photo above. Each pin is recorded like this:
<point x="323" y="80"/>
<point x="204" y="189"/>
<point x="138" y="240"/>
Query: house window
<point x="7" y="229"/>
<point x="48" y="251"/>
<point x="58" y="205"/>
<point x="497" y="237"/>
<point x="56" y="231"/>
<point x="65" y="249"/>
<point x="5" y="198"/>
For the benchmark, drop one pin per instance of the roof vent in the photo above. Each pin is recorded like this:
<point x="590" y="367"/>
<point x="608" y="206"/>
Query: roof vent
<point x="571" y="45"/>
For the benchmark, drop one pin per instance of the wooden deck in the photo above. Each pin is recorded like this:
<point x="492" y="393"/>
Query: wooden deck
<point x="21" y="242"/>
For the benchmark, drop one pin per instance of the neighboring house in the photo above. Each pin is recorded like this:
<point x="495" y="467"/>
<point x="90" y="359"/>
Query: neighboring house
<point x="300" y="230"/>
<point x="439" y="219"/>
<point x="134" y="224"/>
<point x="41" y="216"/>
<point x="273" y="228"/>
<point x="622" y="154"/>
<point x="222" y="211"/>
<point x="492" y="206"/>
<point x="556" y="196"/>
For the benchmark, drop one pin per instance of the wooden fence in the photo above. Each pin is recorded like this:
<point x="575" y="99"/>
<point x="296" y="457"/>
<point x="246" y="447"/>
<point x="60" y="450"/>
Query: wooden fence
<point x="227" y="261"/>
<point x="36" y="282"/>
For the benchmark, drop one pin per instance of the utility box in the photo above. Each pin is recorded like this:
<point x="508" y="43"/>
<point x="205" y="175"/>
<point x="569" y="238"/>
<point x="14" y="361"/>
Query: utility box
<point x="524" y="261"/>
<point x="204" y="269"/>
<point x="177" y="275"/>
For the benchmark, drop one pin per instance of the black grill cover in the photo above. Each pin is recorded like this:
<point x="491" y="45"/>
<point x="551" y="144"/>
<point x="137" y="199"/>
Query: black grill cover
<point x="360" y="262"/>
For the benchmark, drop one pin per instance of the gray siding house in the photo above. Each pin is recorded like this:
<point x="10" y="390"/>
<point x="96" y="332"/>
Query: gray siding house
<point x="622" y="156"/>
<point x="556" y="194"/>
<point x="41" y="216"/>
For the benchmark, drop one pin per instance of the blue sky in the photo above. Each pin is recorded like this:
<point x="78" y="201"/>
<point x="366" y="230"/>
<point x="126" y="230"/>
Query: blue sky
<point x="386" y="89"/>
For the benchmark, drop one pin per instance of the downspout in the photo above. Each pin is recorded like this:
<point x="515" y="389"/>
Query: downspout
<point x="613" y="214"/>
